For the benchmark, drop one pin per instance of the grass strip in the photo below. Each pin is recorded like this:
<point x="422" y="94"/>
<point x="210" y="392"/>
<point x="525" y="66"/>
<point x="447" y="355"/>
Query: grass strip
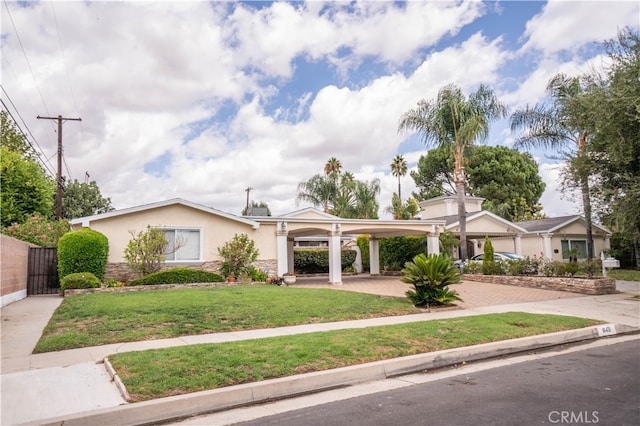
<point x="173" y="371"/>
<point x="103" y="318"/>
<point x="624" y="274"/>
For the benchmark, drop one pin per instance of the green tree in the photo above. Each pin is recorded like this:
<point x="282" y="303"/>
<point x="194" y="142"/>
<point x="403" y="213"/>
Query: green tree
<point x="399" y="169"/>
<point x="403" y="211"/>
<point x="146" y="251"/>
<point x="561" y="126"/>
<point x="488" y="262"/>
<point x="238" y="255"/>
<point x="39" y="230"/>
<point x="455" y="121"/>
<point x="447" y="242"/>
<point x="341" y="194"/>
<point x="12" y="138"/>
<point x="507" y="179"/>
<point x="83" y="199"/>
<point x="25" y="188"/>
<point x="614" y="152"/>
<point x="434" y="174"/>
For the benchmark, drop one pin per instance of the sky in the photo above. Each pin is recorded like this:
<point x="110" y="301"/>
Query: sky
<point x="202" y="100"/>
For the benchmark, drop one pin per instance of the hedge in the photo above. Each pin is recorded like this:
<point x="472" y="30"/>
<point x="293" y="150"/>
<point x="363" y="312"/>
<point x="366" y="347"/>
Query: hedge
<point x="84" y="250"/>
<point x="178" y="276"/>
<point x="316" y="261"/>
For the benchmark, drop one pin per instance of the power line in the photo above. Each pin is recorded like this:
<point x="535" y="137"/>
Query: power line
<point x="39" y="154"/>
<point x="25" y="56"/>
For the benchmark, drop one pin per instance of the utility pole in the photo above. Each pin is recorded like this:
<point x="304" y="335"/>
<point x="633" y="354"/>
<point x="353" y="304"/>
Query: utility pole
<point x="248" y="190"/>
<point x="59" y="173"/>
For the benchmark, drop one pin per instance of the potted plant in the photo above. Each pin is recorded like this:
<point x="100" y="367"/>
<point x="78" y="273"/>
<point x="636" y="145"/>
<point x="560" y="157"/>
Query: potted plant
<point x="289" y="278"/>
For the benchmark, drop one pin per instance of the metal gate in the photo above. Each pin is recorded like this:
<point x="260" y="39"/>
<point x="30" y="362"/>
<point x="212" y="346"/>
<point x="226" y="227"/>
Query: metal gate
<point x="42" y="275"/>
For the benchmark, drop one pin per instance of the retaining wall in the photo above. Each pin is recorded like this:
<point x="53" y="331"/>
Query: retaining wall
<point x="575" y="285"/>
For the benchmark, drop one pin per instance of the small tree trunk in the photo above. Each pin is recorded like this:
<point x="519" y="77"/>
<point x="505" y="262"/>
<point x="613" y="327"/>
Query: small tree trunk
<point x="636" y="248"/>
<point x="586" y="203"/>
<point x="462" y="219"/>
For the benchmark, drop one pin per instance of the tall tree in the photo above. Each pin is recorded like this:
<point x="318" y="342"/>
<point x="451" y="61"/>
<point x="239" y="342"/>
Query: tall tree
<point x="12" y="138"/>
<point x="455" y="121"/>
<point x="83" y="199"/>
<point x="366" y="195"/>
<point x="561" y="126"/>
<point x="333" y="167"/>
<point x="614" y="151"/>
<point x="399" y="169"/>
<point x="403" y="210"/>
<point x="507" y="179"/>
<point x="319" y="190"/>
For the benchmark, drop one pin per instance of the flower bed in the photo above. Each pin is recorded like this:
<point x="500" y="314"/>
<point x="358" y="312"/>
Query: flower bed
<point x="594" y="286"/>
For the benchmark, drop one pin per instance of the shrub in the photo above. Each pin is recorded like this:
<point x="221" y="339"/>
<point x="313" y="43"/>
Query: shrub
<point x="146" y="250"/>
<point x="178" y="276"/>
<point x="316" y="261"/>
<point x="472" y="267"/>
<point x="430" y="276"/>
<point x="238" y="254"/>
<point x="396" y="251"/>
<point x="488" y="262"/>
<point x="257" y="274"/>
<point x="84" y="250"/>
<point x="79" y="280"/>
<point x="39" y="231"/>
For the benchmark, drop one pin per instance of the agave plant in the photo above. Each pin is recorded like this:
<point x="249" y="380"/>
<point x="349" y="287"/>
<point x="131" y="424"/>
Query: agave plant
<point x="430" y="276"/>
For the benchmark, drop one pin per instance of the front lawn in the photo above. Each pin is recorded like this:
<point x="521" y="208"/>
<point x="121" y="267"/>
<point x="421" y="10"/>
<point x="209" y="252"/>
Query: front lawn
<point x="624" y="274"/>
<point x="178" y="370"/>
<point x="103" y="318"/>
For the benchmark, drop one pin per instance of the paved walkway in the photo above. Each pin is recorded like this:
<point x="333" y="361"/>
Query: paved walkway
<point x="42" y="386"/>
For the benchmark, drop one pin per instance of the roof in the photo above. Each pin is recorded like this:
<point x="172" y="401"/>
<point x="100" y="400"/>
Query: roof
<point x="451" y="221"/>
<point x="85" y="221"/>
<point x="552" y="224"/>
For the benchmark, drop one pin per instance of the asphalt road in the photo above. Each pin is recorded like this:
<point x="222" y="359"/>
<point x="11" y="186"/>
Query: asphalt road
<point x="599" y="385"/>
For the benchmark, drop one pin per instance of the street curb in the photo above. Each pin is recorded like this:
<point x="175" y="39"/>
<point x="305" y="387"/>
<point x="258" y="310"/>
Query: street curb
<point x="197" y="403"/>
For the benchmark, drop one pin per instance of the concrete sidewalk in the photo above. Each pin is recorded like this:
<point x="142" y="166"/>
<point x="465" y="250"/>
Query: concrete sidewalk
<point x="62" y="384"/>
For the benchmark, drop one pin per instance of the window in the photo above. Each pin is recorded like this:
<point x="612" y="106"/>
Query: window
<point x="568" y="247"/>
<point x="184" y="244"/>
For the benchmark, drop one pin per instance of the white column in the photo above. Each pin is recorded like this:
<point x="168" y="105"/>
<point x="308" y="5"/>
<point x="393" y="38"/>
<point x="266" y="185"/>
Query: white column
<point x="281" y="249"/>
<point x="517" y="243"/>
<point x="546" y="246"/>
<point x="290" y="265"/>
<point x="433" y="241"/>
<point x="374" y="256"/>
<point x="335" y="254"/>
<point x="358" y="263"/>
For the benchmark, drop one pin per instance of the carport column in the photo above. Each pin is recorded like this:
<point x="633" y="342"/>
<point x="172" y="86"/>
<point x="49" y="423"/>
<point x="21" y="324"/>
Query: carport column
<point x="282" y="252"/>
<point x="335" y="255"/>
<point x="374" y="256"/>
<point x="433" y="241"/>
<point x="546" y="246"/>
<point x="518" y="244"/>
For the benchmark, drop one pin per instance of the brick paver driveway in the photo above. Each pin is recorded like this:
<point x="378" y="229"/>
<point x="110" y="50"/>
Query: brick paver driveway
<point x="474" y="294"/>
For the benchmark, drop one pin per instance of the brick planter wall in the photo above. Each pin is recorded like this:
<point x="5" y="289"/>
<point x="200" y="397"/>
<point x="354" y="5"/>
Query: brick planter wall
<point x="575" y="285"/>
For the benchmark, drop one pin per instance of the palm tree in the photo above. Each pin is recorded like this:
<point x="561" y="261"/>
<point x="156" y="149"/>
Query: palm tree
<point x="403" y="211"/>
<point x="558" y="126"/>
<point x="333" y="167"/>
<point x="365" y="199"/>
<point x="399" y="169"/>
<point x="320" y="190"/>
<point x="457" y="122"/>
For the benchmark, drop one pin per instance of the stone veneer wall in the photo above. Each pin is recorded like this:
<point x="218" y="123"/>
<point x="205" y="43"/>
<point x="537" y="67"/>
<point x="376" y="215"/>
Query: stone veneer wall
<point x="14" y="260"/>
<point x="121" y="271"/>
<point x="575" y="285"/>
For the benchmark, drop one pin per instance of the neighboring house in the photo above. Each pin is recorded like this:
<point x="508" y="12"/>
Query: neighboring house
<point x="200" y="230"/>
<point x="550" y="237"/>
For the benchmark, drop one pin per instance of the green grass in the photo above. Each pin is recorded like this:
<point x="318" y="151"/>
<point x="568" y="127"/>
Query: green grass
<point x="624" y="274"/>
<point x="159" y="373"/>
<point x="103" y="318"/>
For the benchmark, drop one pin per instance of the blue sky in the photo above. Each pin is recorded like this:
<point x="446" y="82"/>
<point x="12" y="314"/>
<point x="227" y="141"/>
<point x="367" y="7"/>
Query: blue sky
<point x="201" y="100"/>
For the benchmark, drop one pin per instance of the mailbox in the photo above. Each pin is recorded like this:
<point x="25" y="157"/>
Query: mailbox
<point x="610" y="262"/>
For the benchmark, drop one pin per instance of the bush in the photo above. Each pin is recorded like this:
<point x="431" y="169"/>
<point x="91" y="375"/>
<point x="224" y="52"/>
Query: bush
<point x="316" y="261"/>
<point x="145" y="252"/>
<point x="430" y="276"/>
<point x="257" y="274"/>
<point x="79" y="280"/>
<point x="488" y="262"/>
<point x="396" y="251"/>
<point x="39" y="231"/>
<point x="238" y="254"/>
<point x="84" y="250"/>
<point x="178" y="276"/>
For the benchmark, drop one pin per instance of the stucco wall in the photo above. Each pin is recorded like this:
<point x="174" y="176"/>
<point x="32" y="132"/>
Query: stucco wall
<point x="14" y="260"/>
